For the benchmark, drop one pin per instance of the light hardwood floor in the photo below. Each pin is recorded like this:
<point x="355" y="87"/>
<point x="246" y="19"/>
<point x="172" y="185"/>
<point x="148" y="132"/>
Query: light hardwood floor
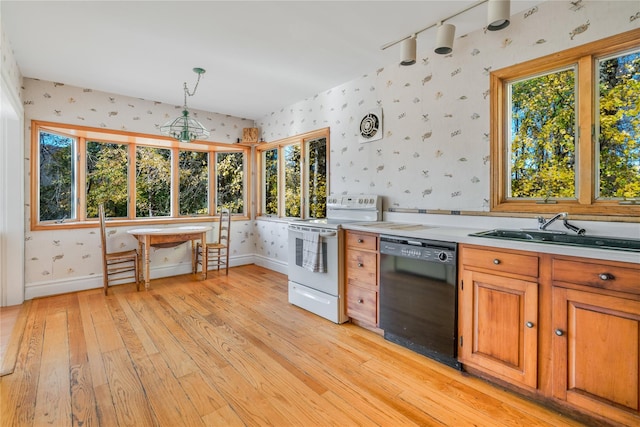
<point x="231" y="351"/>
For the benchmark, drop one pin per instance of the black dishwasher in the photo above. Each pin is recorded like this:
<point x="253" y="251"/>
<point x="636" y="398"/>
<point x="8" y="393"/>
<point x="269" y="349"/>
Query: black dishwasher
<point x="418" y="298"/>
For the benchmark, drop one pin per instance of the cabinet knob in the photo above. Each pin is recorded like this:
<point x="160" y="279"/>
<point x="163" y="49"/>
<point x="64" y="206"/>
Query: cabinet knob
<point x="360" y="301"/>
<point x="606" y="276"/>
<point x="496" y="261"/>
<point x="360" y="264"/>
<point x="360" y="241"/>
<point x="559" y="332"/>
<point x="529" y="324"/>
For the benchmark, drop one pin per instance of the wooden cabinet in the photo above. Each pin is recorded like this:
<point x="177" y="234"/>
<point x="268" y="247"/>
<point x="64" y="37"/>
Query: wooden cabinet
<point x="361" y="273"/>
<point x="596" y="338"/>
<point x="498" y="313"/>
<point x="558" y="328"/>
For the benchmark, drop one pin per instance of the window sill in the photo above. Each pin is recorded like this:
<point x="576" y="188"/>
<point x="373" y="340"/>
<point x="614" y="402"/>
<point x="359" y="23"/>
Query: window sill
<point x="67" y="225"/>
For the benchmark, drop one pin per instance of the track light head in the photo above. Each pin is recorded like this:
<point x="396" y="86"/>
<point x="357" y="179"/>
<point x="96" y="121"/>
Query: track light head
<point x="408" y="51"/>
<point x="444" y="39"/>
<point x="498" y="14"/>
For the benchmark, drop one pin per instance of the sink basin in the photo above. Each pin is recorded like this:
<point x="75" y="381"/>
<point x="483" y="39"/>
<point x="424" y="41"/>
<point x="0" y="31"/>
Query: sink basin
<point x="539" y="236"/>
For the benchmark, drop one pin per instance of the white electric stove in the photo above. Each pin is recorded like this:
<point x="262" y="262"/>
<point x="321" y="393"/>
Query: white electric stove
<point x="322" y="291"/>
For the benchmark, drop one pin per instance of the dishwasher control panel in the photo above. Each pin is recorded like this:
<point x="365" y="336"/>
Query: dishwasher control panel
<point x="425" y="250"/>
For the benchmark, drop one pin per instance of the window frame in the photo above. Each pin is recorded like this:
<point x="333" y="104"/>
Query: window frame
<point x="301" y="140"/>
<point x="584" y="57"/>
<point x="82" y="134"/>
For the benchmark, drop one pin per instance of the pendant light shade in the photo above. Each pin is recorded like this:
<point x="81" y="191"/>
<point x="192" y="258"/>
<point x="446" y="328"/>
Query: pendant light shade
<point x="185" y="128"/>
<point x="498" y="15"/>
<point x="408" y="51"/>
<point x="444" y="38"/>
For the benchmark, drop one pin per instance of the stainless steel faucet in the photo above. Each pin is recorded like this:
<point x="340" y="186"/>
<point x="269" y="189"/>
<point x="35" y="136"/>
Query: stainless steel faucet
<point x="579" y="231"/>
<point x="543" y="224"/>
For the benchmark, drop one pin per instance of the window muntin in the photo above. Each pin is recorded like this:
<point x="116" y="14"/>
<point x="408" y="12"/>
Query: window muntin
<point x="542" y="133"/>
<point x="294" y="176"/>
<point x="587" y="200"/>
<point x="618" y="126"/>
<point x="57" y="169"/>
<point x="230" y="179"/>
<point x="144" y="186"/>
<point x="193" y="174"/>
<point x="107" y="179"/>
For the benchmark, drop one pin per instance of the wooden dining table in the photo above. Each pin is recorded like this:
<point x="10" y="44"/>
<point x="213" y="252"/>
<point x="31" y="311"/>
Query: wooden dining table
<point x="165" y="238"/>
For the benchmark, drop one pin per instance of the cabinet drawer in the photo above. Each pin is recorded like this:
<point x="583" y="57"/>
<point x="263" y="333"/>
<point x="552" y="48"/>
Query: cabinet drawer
<point x="362" y="241"/>
<point x="362" y="304"/>
<point x="526" y="265"/>
<point x="597" y="275"/>
<point x="362" y="268"/>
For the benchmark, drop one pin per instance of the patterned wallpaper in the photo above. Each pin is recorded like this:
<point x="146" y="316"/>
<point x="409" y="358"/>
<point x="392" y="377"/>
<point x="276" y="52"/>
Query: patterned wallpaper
<point x="435" y="149"/>
<point x="68" y="256"/>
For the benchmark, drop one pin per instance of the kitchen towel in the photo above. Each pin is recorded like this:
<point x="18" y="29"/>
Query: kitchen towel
<point x="312" y="257"/>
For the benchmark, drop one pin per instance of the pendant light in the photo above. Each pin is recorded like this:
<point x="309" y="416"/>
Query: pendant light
<point x="498" y="14"/>
<point x="185" y="128"/>
<point x="444" y="38"/>
<point x="408" y="51"/>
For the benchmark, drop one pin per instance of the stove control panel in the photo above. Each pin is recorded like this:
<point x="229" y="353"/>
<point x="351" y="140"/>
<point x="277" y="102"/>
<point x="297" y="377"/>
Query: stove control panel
<point x="355" y="201"/>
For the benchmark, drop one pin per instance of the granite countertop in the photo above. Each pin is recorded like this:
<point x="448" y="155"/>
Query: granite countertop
<point x="461" y="235"/>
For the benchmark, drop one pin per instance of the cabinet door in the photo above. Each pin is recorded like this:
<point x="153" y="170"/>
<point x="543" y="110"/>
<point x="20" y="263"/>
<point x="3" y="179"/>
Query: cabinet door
<point x="498" y="319"/>
<point x="596" y="353"/>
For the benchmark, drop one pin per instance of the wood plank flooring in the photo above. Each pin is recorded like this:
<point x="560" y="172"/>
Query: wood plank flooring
<point x="231" y="351"/>
<point x="12" y="321"/>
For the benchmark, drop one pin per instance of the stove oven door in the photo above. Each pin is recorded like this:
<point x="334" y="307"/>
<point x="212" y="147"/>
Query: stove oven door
<point x="327" y="281"/>
<point x="320" y="293"/>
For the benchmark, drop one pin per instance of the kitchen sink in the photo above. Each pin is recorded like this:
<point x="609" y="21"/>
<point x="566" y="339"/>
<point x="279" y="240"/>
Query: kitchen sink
<point x="540" y="236"/>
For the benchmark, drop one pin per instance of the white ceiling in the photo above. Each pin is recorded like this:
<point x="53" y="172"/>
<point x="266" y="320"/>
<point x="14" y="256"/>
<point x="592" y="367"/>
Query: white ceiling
<point x="260" y="56"/>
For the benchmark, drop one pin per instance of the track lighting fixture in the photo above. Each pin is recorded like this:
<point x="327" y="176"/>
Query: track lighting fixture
<point x="498" y="18"/>
<point x="444" y="39"/>
<point x="408" y="51"/>
<point x="498" y="14"/>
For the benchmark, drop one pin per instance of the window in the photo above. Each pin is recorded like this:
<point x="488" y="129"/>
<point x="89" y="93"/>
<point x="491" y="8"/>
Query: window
<point x="136" y="177"/>
<point x="153" y="182"/>
<point x="293" y="176"/>
<point x="230" y="168"/>
<point x="107" y="179"/>
<point x="193" y="170"/>
<point x="565" y="131"/>
<point x="56" y="194"/>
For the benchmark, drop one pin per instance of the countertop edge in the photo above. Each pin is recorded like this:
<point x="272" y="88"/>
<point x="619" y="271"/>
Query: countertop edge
<point x="461" y="235"/>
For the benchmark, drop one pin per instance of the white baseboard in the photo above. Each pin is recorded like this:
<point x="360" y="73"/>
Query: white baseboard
<point x="94" y="281"/>
<point x="271" y="264"/>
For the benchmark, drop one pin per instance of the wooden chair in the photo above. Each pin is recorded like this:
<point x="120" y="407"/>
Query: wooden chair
<point x="216" y="254"/>
<point x="116" y="265"/>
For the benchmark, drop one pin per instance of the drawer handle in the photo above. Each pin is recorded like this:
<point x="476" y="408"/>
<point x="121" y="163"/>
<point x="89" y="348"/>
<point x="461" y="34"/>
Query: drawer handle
<point x="529" y="324"/>
<point x="559" y="332"/>
<point x="496" y="261"/>
<point x="606" y="276"/>
<point x="360" y="264"/>
<point x="360" y="241"/>
<point x="360" y="301"/>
